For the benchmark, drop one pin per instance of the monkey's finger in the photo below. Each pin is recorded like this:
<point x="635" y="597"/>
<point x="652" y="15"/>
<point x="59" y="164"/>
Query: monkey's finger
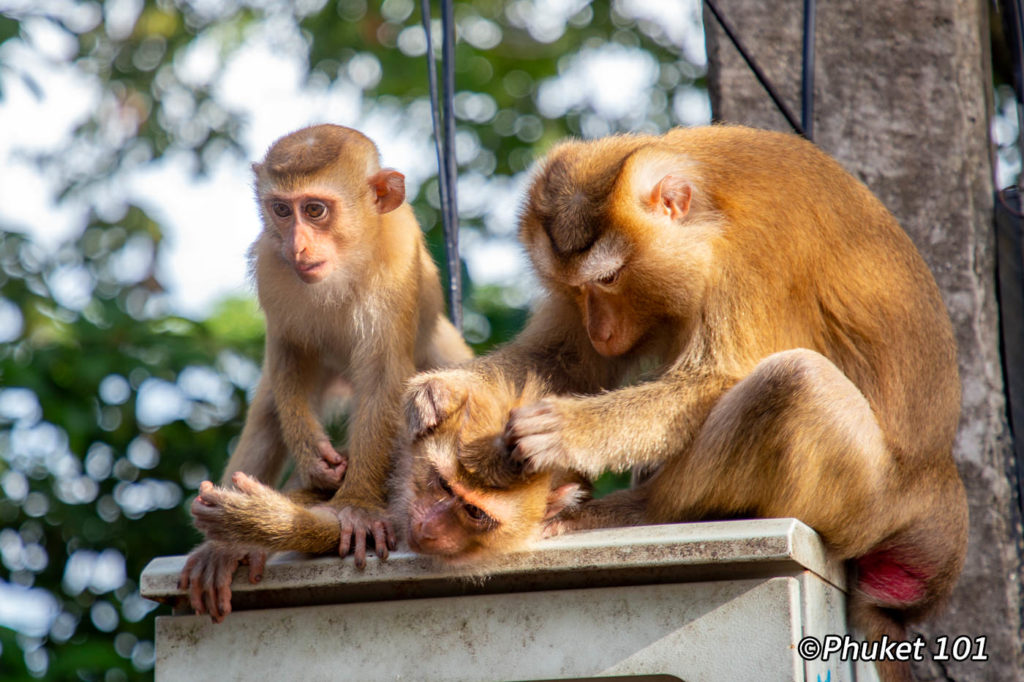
<point x="380" y="540"/>
<point x="346" y="539"/>
<point x="200" y="509"/>
<point x="257" y="562"/>
<point x="195" y="591"/>
<point x="328" y="453"/>
<point x="392" y="536"/>
<point x="245" y="483"/>
<point x="222" y="595"/>
<point x="360" y="552"/>
<point x="190" y="564"/>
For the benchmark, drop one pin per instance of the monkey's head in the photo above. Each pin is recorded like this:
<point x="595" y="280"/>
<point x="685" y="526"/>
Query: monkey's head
<point x="456" y="493"/>
<point x="621" y="227"/>
<point x="320" y="190"/>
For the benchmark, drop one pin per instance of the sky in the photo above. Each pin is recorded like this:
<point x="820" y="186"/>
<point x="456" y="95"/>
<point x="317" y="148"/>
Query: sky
<point x="210" y="221"/>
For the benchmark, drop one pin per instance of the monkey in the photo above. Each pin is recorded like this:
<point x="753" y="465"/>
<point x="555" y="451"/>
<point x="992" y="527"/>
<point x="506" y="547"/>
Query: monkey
<point x="456" y="495"/>
<point x="353" y="300"/>
<point x="730" y="311"/>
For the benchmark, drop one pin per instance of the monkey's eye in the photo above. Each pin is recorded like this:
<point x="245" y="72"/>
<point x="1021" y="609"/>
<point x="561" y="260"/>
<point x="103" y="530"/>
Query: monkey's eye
<point x="475" y="513"/>
<point x="281" y="209"/>
<point x="315" y="210"/>
<point x="443" y="484"/>
<point x="609" y="279"/>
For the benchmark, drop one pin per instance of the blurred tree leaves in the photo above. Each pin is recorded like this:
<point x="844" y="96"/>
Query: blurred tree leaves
<point x="112" y="408"/>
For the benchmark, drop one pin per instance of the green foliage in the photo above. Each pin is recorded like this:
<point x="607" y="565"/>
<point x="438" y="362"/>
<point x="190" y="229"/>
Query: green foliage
<point x="113" y="409"/>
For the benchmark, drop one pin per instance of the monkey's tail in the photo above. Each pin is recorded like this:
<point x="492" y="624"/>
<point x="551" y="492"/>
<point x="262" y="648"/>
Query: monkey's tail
<point x="873" y="622"/>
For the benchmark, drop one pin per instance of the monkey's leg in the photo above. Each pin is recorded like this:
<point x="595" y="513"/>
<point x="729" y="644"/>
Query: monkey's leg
<point x="256" y="515"/>
<point x="797" y="438"/>
<point x="794" y="438"/>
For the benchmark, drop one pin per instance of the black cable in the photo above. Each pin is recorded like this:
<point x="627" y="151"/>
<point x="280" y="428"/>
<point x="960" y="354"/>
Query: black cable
<point x="451" y="168"/>
<point x="807" y="82"/>
<point x="757" y="71"/>
<point x="444" y="146"/>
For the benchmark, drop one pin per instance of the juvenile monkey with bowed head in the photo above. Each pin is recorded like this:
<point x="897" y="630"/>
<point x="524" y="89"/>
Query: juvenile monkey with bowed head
<point x="803" y="362"/>
<point x="456" y="494"/>
<point x="352" y="300"/>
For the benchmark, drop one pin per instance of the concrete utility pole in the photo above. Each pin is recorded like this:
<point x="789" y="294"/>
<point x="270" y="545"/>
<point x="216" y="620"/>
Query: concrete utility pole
<point x="903" y="93"/>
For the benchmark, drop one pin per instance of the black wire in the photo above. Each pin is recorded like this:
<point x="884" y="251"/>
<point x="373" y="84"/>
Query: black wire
<point x="444" y="146"/>
<point x="807" y="84"/>
<point x="754" y="67"/>
<point x="451" y="168"/>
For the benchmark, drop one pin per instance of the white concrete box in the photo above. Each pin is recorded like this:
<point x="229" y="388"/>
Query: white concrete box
<point x="700" y="602"/>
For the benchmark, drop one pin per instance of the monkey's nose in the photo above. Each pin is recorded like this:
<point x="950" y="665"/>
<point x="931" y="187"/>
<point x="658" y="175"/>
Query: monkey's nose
<point x="422" y="532"/>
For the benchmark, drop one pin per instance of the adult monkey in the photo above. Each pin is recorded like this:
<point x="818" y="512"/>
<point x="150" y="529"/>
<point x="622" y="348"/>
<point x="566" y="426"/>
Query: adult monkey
<point x="804" y="363"/>
<point x="351" y="298"/>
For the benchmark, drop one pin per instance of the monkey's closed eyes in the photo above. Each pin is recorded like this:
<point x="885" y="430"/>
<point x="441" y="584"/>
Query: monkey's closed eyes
<point x="475" y="513"/>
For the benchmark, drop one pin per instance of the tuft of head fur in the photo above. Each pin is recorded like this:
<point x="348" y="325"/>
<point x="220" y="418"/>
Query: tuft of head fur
<point x="323" y="152"/>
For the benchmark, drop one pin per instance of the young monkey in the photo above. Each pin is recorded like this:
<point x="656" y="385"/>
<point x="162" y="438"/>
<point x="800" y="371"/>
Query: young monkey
<point x="351" y="298"/>
<point x="455" y="495"/>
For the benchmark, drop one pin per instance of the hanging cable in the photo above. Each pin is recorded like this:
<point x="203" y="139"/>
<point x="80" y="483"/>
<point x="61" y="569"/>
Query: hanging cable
<point x="807" y="81"/>
<point x="761" y="77"/>
<point x="444" y="146"/>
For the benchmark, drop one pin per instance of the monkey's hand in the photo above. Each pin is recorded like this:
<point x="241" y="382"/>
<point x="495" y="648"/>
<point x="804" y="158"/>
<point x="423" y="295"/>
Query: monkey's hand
<point x="207" y="576"/>
<point x="327" y="470"/>
<point x="535" y="436"/>
<point x="431" y="399"/>
<point x="359" y="523"/>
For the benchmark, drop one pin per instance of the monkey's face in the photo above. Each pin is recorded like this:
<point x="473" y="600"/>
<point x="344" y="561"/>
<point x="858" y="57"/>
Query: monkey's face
<point x="307" y="226"/>
<point x="457" y="493"/>
<point x="621" y="231"/>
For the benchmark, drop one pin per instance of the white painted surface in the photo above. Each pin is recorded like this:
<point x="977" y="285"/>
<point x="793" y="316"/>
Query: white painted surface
<point x="711" y="602"/>
<point x="736" y="630"/>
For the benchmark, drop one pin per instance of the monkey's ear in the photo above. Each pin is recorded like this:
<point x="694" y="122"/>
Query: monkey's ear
<point x="256" y="168"/>
<point x="564" y="497"/>
<point x="671" y="197"/>
<point x="389" y="187"/>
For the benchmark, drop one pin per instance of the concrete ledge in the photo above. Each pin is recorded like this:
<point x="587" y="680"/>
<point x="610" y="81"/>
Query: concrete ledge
<point x="647" y="555"/>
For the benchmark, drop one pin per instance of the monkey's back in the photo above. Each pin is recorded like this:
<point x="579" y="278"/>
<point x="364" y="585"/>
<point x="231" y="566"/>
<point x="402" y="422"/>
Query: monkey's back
<point x="829" y="268"/>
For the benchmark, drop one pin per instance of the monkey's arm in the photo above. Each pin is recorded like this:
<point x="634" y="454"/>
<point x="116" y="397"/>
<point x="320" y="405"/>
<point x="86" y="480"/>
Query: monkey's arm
<point x="635" y="426"/>
<point x="293" y="375"/>
<point x="361" y="502"/>
<point x="554" y="348"/>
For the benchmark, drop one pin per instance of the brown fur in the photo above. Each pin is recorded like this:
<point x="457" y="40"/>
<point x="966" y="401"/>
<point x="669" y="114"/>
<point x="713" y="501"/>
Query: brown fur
<point x="468" y="451"/>
<point x="351" y="298"/>
<point x="805" y="364"/>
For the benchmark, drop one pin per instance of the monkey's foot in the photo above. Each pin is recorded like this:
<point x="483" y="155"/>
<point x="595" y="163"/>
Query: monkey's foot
<point x="535" y="435"/>
<point x="328" y="470"/>
<point x="357" y="524"/>
<point x="432" y="398"/>
<point x="229" y="516"/>
<point x="208" y="572"/>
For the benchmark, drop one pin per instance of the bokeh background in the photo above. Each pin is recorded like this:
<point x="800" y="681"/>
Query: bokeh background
<point x="129" y="338"/>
